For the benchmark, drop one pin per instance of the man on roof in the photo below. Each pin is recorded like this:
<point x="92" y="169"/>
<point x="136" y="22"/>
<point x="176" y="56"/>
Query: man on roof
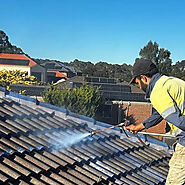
<point x="167" y="96"/>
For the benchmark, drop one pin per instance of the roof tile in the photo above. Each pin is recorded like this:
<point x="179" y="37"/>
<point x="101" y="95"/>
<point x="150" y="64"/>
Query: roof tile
<point x="33" y="151"/>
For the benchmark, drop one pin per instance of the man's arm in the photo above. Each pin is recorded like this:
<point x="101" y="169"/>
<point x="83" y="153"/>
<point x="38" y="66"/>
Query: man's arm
<point x="154" y="119"/>
<point x="177" y="119"/>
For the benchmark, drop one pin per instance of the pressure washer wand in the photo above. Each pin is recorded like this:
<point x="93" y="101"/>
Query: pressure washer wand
<point x="156" y="134"/>
<point x="118" y="125"/>
<point x="104" y="129"/>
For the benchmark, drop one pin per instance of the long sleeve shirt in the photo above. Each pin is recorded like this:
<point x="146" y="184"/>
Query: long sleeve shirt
<point x="167" y="96"/>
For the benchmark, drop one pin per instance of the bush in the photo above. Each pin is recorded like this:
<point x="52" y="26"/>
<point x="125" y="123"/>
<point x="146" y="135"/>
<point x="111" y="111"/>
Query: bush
<point x="85" y="100"/>
<point x="16" y="77"/>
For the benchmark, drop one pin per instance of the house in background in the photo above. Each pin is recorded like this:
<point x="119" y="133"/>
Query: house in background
<point x="23" y="63"/>
<point x="45" y="73"/>
<point x="16" y="62"/>
<point x="55" y="71"/>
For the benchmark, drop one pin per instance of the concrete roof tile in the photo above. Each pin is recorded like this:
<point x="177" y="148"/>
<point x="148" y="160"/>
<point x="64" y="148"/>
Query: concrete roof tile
<point x="31" y="146"/>
<point x="3" y="178"/>
<point x="9" y="171"/>
<point x="61" y="179"/>
<point x="27" y="164"/>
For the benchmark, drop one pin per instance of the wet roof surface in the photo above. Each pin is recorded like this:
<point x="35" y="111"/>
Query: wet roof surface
<point x="31" y="152"/>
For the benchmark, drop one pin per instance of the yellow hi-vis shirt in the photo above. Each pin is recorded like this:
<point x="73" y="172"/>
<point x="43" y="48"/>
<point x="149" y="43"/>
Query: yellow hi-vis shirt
<point x="168" y="97"/>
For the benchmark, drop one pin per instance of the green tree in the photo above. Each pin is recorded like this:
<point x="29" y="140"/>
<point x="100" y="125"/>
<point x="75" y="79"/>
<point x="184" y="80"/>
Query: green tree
<point x="178" y="70"/>
<point x="102" y="69"/>
<point x="160" y="56"/>
<point x="87" y="68"/>
<point x="6" y="46"/>
<point x="150" y="51"/>
<point x="85" y="100"/>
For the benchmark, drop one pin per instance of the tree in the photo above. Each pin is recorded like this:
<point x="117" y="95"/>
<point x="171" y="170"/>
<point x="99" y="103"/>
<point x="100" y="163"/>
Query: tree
<point x="178" y="70"/>
<point x="85" y="100"/>
<point x="87" y="68"/>
<point x="103" y="69"/>
<point x="150" y="51"/>
<point x="160" y="56"/>
<point x="6" y="46"/>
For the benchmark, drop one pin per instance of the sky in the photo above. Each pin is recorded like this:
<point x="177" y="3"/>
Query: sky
<point x="112" y="31"/>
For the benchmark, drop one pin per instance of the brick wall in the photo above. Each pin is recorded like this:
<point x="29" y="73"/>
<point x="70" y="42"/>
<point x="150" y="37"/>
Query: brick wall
<point x="139" y="111"/>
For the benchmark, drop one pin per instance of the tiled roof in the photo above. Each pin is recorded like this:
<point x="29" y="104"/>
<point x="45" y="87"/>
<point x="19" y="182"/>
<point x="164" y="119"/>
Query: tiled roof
<point x="17" y="58"/>
<point x="134" y="89"/>
<point x="31" y="152"/>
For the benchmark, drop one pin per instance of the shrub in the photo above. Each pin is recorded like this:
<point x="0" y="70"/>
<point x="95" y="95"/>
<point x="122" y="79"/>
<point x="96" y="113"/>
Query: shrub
<point x="85" y="100"/>
<point x="16" y="77"/>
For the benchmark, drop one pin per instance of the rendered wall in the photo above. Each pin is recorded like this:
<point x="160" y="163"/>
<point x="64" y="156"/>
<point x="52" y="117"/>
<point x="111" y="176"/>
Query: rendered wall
<point x="11" y="68"/>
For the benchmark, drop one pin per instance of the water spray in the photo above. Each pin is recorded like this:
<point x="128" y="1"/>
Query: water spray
<point x="125" y="122"/>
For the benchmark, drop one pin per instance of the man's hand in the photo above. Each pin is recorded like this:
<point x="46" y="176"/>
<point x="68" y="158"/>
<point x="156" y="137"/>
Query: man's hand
<point x="135" y="128"/>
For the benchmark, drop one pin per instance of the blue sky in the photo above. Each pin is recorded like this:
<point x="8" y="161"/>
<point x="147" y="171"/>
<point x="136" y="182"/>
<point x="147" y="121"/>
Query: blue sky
<point x="112" y="31"/>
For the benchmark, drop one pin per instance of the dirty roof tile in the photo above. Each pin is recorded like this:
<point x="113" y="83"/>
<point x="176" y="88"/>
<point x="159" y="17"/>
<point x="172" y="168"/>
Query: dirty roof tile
<point x="9" y="171"/>
<point x="49" y="180"/>
<point x="36" y="181"/>
<point x="3" y="178"/>
<point x="27" y="164"/>
<point x="55" y="158"/>
<point x="15" y="166"/>
<point x="32" y="145"/>
<point x="61" y="179"/>
<point x="82" y="176"/>
<point x="35" y="161"/>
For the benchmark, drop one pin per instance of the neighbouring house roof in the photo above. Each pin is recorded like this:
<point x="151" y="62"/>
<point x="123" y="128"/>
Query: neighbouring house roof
<point x="54" y="66"/>
<point x="16" y="59"/>
<point x="77" y="79"/>
<point x="58" y="74"/>
<point x="110" y="91"/>
<point x="92" y="79"/>
<point x="32" y="151"/>
<point x="134" y="89"/>
<point x="101" y="80"/>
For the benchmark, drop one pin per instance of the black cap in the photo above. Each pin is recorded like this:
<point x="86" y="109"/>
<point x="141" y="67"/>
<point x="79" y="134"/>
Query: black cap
<point x="143" y="67"/>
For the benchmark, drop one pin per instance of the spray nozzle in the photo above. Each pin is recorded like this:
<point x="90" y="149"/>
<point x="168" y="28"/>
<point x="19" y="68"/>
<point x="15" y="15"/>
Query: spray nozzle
<point x="92" y="133"/>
